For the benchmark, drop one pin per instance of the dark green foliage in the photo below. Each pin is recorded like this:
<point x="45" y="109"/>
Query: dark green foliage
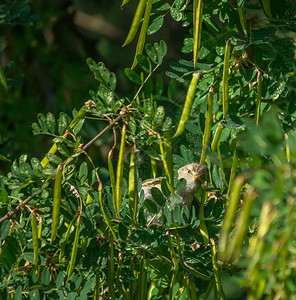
<point x="246" y="203"/>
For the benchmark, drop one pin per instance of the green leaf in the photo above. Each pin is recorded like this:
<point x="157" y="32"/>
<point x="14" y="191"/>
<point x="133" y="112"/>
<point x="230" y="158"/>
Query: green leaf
<point x="42" y="122"/>
<point x="175" y="199"/>
<point x="45" y="277"/>
<point x="123" y="231"/>
<point x="62" y="148"/>
<point x="155" y="25"/>
<point x="151" y="52"/>
<point x="2" y="78"/>
<point x="159" y="114"/>
<point x="5" y="227"/>
<point x="62" y="124"/>
<point x="3" y="196"/>
<point x="18" y="293"/>
<point x="157" y="196"/>
<point x="144" y="63"/>
<point x="54" y="158"/>
<point x="83" y="172"/>
<point x="150" y="205"/>
<point x="36" y="129"/>
<point x="177" y="218"/>
<point x="132" y="76"/>
<point x="164" y="188"/>
<point x="176" y="14"/>
<point x="51" y="122"/>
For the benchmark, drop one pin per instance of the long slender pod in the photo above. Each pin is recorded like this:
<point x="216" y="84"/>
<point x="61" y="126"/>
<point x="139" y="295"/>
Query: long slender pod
<point x="229" y="216"/>
<point x="202" y="227"/>
<point x="208" y="126"/>
<point x="225" y="86"/>
<point x="143" y="32"/>
<point x="258" y="97"/>
<point x="35" y="242"/>
<point x="197" y="28"/>
<point x="119" y="175"/>
<point x="111" y="171"/>
<point x="72" y="262"/>
<point x="188" y="104"/>
<point x="133" y="183"/>
<point x="56" y="202"/>
<point x="136" y="21"/>
<point x="216" y="270"/>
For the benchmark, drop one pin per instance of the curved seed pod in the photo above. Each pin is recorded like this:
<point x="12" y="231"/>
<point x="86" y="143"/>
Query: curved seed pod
<point x="168" y="174"/>
<point x="111" y="270"/>
<point x="3" y="79"/>
<point x="142" y="36"/>
<point x="208" y="126"/>
<point x="258" y="97"/>
<point x="216" y="137"/>
<point x="35" y="241"/>
<point x="133" y="183"/>
<point x="197" y="28"/>
<point x="242" y="222"/>
<point x="242" y="18"/>
<point x="187" y="105"/>
<point x="230" y="215"/>
<point x="225" y="87"/>
<point x="124" y="2"/>
<point x="216" y="270"/>
<point x="119" y="175"/>
<point x="168" y="151"/>
<point x="111" y="171"/>
<point x="67" y="235"/>
<point x="74" y="249"/>
<point x="202" y="226"/>
<point x="136" y="22"/>
<point x="56" y="202"/>
<point x="232" y="172"/>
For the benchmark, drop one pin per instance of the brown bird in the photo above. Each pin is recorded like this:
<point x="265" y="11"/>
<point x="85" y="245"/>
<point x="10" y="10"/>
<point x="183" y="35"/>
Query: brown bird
<point x="194" y="174"/>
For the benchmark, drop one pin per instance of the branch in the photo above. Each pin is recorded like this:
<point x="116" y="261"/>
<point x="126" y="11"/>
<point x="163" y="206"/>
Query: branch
<point x="19" y="207"/>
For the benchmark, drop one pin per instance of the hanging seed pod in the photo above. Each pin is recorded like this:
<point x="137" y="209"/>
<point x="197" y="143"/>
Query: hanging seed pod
<point x="229" y="216"/>
<point x="75" y="248"/>
<point x="202" y="227"/>
<point x="136" y="22"/>
<point x="133" y="183"/>
<point x="143" y="32"/>
<point x="35" y="241"/>
<point x="208" y="126"/>
<point x="216" y="270"/>
<point x="197" y="28"/>
<point x="225" y="86"/>
<point x="56" y="202"/>
<point x="119" y="175"/>
<point x="188" y="104"/>
<point x="258" y="97"/>
<point x="111" y="171"/>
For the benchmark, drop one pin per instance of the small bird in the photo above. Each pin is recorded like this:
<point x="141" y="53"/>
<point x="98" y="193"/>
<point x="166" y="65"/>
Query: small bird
<point x="194" y="174"/>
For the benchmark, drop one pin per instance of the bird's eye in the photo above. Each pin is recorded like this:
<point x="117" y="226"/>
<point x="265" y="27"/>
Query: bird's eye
<point x="189" y="171"/>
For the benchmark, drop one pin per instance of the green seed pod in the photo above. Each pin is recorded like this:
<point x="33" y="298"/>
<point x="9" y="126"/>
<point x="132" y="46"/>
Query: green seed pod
<point x="229" y="216"/>
<point x="188" y="104"/>
<point x="258" y="97"/>
<point x="202" y="226"/>
<point x="208" y="126"/>
<point x="35" y="241"/>
<point x="142" y="36"/>
<point x="136" y="22"/>
<point x="119" y="175"/>
<point x="216" y="270"/>
<point x="225" y="86"/>
<point x="133" y="183"/>
<point x="71" y="265"/>
<point x="56" y="202"/>
<point x="197" y="27"/>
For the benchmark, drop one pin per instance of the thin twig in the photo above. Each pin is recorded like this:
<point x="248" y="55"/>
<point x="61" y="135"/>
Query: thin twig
<point x="19" y="207"/>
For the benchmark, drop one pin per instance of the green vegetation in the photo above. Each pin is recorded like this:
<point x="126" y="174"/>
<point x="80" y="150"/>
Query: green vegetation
<point x="73" y="219"/>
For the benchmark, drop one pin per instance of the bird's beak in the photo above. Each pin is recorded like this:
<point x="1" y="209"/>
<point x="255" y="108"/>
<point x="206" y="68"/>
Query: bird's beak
<point x="194" y="176"/>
